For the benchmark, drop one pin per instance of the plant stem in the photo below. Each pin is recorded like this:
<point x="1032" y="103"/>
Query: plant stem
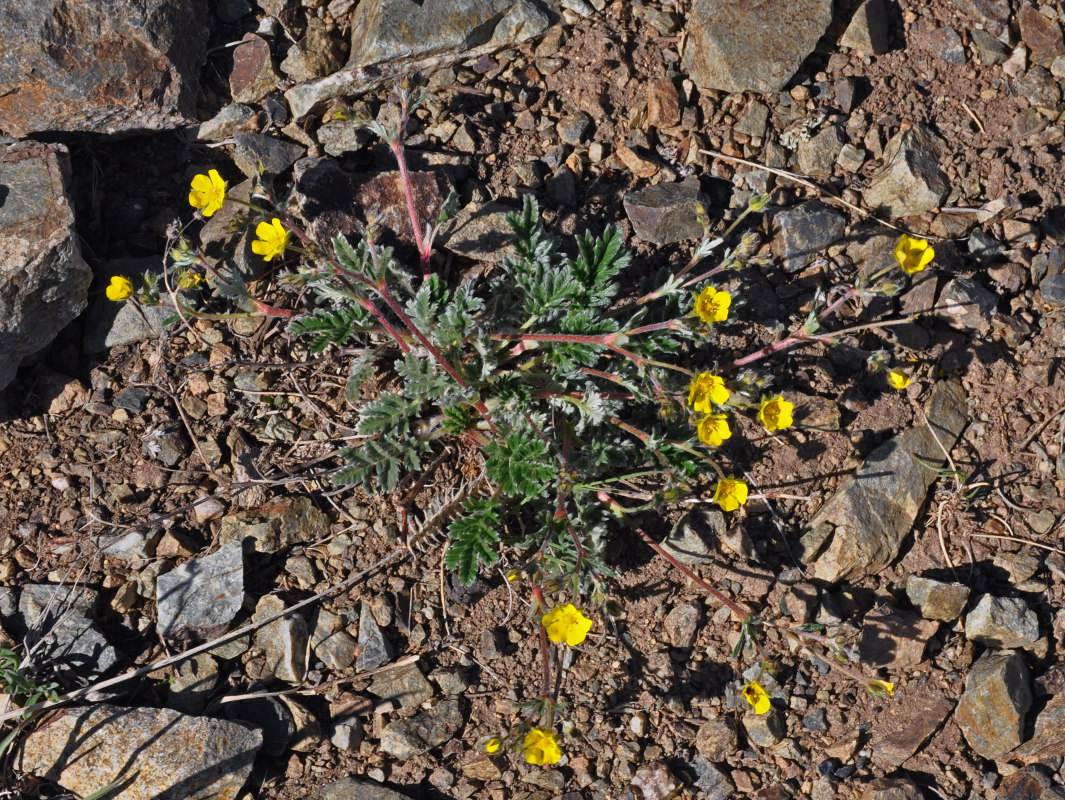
<point x="408" y="192"/>
<point x="538" y="596"/>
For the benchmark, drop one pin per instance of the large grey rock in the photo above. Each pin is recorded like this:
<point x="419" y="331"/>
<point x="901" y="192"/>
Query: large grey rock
<point x="805" y="232"/>
<point x="201" y="597"/>
<point x="666" y="213"/>
<point x="1002" y="622"/>
<point x="405" y="738"/>
<point x="936" y="600"/>
<point x="283" y="641"/>
<point x="104" y="66"/>
<point x="892" y="789"/>
<point x="860" y="529"/>
<point x="61" y="630"/>
<point x="869" y="31"/>
<point x="740" y="47"/>
<point x="357" y="789"/>
<point x="910" y="181"/>
<point x="276" y="525"/>
<point x="155" y="753"/>
<point x="480" y="232"/>
<point x="113" y="324"/>
<point x="693" y="538"/>
<point x="391" y="37"/>
<point x="373" y="647"/>
<point x="967" y="305"/>
<point x="43" y="278"/>
<point x="713" y="784"/>
<point x="1033" y="783"/>
<point x="993" y="706"/>
<point x="334" y="646"/>
<point x="405" y="684"/>
<point x="906" y="724"/>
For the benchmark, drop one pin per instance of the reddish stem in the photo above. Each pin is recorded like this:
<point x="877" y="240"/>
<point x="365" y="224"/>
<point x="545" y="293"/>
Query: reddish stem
<point x="538" y="595"/>
<point x="412" y="208"/>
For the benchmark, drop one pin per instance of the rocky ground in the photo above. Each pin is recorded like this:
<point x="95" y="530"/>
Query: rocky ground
<point x="165" y="486"/>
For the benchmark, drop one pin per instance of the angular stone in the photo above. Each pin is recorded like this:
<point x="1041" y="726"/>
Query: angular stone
<point x="682" y="625"/>
<point x="869" y="31"/>
<point x="480" y="232"/>
<point x="967" y="305"/>
<point x="273" y="154"/>
<point x="384" y="200"/>
<point x="996" y="699"/>
<point x="406" y="684"/>
<point x="405" y="738"/>
<point x="666" y="213"/>
<point x="764" y="730"/>
<point x="573" y="127"/>
<point x="1042" y="35"/>
<point x="910" y="181"/>
<point x="373" y="648"/>
<point x="1039" y="88"/>
<point x="194" y="680"/>
<point x="270" y="716"/>
<point x="253" y="76"/>
<point x="818" y="154"/>
<point x="995" y="12"/>
<point x="152" y="753"/>
<point x="717" y="739"/>
<point x="43" y="278"/>
<point x="892" y="789"/>
<point x="1004" y="622"/>
<point x="905" y="724"/>
<point x="740" y="47"/>
<point x="1048" y="737"/>
<point x="319" y="52"/>
<point x="894" y="639"/>
<point x="1030" y="784"/>
<point x="860" y="529"/>
<point x="332" y="645"/>
<point x="60" y="628"/>
<point x="935" y="600"/>
<point x="283" y="641"/>
<point x="105" y="66"/>
<point x="691" y="540"/>
<point x="804" y="232"/>
<point x="663" y="103"/>
<point x="276" y="525"/>
<point x="232" y="118"/>
<point x="654" y="781"/>
<point x="345" y="136"/>
<point x="200" y="598"/>
<point x="989" y="48"/>
<point x="713" y="784"/>
<point x="1052" y="289"/>
<point x="357" y="789"/>
<point x="754" y="122"/>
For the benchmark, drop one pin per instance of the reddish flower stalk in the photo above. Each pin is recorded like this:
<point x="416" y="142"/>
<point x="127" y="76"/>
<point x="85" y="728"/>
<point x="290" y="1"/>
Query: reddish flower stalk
<point x="424" y="247"/>
<point x="538" y="607"/>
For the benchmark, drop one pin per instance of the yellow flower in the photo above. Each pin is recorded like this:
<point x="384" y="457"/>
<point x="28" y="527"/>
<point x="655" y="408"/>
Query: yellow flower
<point x="272" y="241"/>
<point x="775" y="413"/>
<point x="189" y="279"/>
<point x="880" y="688"/>
<point x="208" y="192"/>
<point x="898" y="379"/>
<point x="757" y="696"/>
<point x="714" y="429"/>
<point x="712" y="305"/>
<point x="730" y="494"/>
<point x="540" y="747"/>
<point x="913" y="254"/>
<point x="493" y="745"/>
<point x="706" y="391"/>
<point x="119" y="289"/>
<point x="566" y="624"/>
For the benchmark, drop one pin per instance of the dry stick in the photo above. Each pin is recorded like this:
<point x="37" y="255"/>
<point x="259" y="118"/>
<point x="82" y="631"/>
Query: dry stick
<point x="140" y="672"/>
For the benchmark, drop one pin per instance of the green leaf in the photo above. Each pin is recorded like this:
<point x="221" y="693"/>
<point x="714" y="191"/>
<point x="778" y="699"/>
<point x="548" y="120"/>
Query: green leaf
<point x="361" y="369"/>
<point x="428" y="304"/>
<point x="460" y="317"/>
<point x="422" y="377"/>
<point x="473" y="538"/>
<point x="352" y="259"/>
<point x="332" y="326"/>
<point x="520" y="465"/>
<point x="389" y="413"/>
<point x="384" y="459"/>
<point x="599" y="260"/>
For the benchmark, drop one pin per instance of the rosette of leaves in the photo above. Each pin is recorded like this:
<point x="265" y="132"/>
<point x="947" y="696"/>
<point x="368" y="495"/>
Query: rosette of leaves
<point x="545" y="378"/>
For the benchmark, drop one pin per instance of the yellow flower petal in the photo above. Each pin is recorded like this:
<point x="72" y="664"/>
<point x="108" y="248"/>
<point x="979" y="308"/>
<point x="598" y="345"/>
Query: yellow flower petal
<point x="898" y="379"/>
<point x="272" y="241"/>
<point x="713" y="429"/>
<point x="757" y="696"/>
<point x="566" y="624"/>
<point x="119" y="289"/>
<point x="493" y="745"/>
<point x="712" y="305"/>
<point x="775" y="413"/>
<point x="913" y="254"/>
<point x="208" y="192"/>
<point x="706" y="391"/>
<point x="730" y="493"/>
<point x="540" y="747"/>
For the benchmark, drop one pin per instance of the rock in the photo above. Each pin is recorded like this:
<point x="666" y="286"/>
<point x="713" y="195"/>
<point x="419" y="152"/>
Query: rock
<point x="103" y="66"/>
<point x="200" y="598"/>
<point x="764" y="730"/>
<point x="967" y="305"/>
<point x="906" y="723"/>
<point x="452" y="680"/>
<point x="666" y="213"/>
<point x="935" y="600"/>
<point x="635" y="163"/>
<point x="850" y="158"/>
<point x="167" y="443"/>
<point x="276" y="525"/>
<point x="405" y="738"/>
<point x="892" y="789"/>
<point x="253" y="76"/>
<point x="356" y="789"/>
<point x="989" y="48"/>
<point x="993" y="13"/>
<point x="480" y="232"/>
<point x="690" y="540"/>
<point x="742" y="47"/>
<point x="894" y="639"/>
<point x="1039" y="88"/>
<point x="113" y="324"/>
<point x="373" y="648"/>
<point x="347" y="734"/>
<point x="754" y="122"/>
<point x="996" y="699"/>
<point x="1053" y="290"/>
<point x="948" y="45"/>
<point x="319" y="52"/>
<point x="985" y="248"/>
<point x="274" y="155"/>
<point x="194" y="680"/>
<point x="153" y="753"/>
<point x="713" y="784"/>
<point x="332" y="645"/>
<point x="910" y="181"/>
<point x="815" y="721"/>
<point x="308" y="735"/>
<point x="574" y="127"/>
<point x="654" y="781"/>
<point x="43" y="278"/>
<point x="717" y="739"/>
<point x="860" y="529"/>
<point x="1048" y="736"/>
<point x="383" y="198"/>
<point x="345" y="136"/>
<point x="663" y="103"/>
<point x="818" y="154"/>
<point x="1030" y="784"/>
<point x="869" y="31"/>
<point x="804" y="232"/>
<point x="231" y="119"/>
<point x="61" y="631"/>
<point x="270" y="716"/>
<point x="283" y="641"/>
<point x="406" y="684"/>
<point x="1003" y="622"/>
<point x="482" y="768"/>
<point x="1041" y="34"/>
<point x="682" y="625"/>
